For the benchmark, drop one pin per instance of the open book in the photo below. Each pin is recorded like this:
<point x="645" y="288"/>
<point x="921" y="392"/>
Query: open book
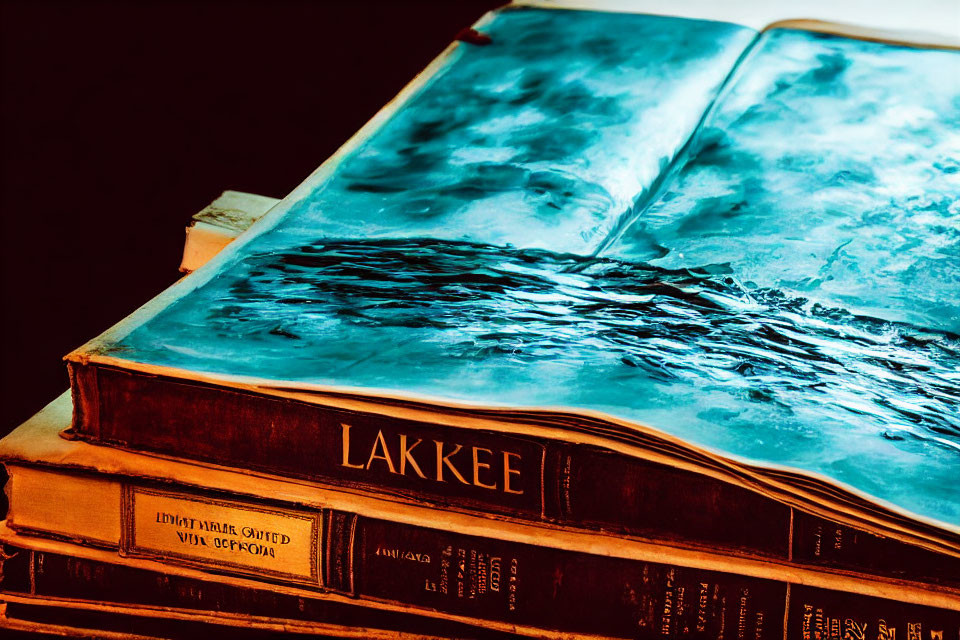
<point x="677" y="542"/>
<point x="599" y="233"/>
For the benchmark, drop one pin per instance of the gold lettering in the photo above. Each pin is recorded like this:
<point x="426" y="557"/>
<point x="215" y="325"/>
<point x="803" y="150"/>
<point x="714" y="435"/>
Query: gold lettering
<point x="886" y="633"/>
<point x="405" y="456"/>
<point x="346" y="448"/>
<point x="382" y="444"/>
<point x="445" y="460"/>
<point x="223" y="531"/>
<point x="507" y="472"/>
<point x="855" y="630"/>
<point x="477" y="465"/>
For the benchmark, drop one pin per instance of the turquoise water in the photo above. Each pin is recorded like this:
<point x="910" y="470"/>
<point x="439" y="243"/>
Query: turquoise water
<point x="542" y="139"/>
<point x="830" y="168"/>
<point x="788" y="293"/>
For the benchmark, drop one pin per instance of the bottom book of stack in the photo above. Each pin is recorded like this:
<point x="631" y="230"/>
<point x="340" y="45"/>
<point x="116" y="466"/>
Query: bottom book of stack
<point x="109" y="543"/>
<point x="65" y="589"/>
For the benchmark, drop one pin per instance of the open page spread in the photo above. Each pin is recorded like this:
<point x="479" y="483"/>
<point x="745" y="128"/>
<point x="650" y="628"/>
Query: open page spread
<point x="745" y="240"/>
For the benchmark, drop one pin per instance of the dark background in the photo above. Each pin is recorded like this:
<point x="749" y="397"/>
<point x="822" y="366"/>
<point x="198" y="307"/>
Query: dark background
<point x="119" y="121"/>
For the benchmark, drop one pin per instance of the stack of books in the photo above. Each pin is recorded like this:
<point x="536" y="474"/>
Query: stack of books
<point x="608" y="326"/>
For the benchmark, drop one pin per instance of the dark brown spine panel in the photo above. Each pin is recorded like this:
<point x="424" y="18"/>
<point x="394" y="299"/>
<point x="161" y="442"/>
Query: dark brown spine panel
<point x="96" y="624"/>
<point x="553" y="588"/>
<point x="535" y="586"/>
<point x="85" y="393"/>
<point x="470" y="470"/>
<point x="821" y="542"/>
<point x="819" y="614"/>
<point x="52" y="575"/>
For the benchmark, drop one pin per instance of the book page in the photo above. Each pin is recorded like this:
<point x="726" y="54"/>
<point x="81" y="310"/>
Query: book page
<point x="437" y="310"/>
<point x="818" y="208"/>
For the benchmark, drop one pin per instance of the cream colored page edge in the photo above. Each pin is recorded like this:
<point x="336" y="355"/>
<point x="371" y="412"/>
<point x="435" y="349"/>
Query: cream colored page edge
<point x="251" y="206"/>
<point x="201" y="244"/>
<point x="62" y="630"/>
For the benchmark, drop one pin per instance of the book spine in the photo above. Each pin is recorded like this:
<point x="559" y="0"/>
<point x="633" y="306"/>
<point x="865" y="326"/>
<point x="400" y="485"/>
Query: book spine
<point x="130" y="623"/>
<point x="473" y="469"/>
<point x="73" y="580"/>
<point x="804" y="613"/>
<point x="538" y="587"/>
<point x="85" y="393"/>
<point x="495" y="582"/>
<point x="818" y="614"/>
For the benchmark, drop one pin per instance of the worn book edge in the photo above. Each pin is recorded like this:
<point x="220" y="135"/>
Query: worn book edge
<point x="219" y="223"/>
<point x="62" y="630"/>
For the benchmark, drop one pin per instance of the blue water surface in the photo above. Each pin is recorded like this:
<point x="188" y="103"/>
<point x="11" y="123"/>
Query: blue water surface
<point x="787" y="292"/>
<point x="829" y="168"/>
<point x="544" y="138"/>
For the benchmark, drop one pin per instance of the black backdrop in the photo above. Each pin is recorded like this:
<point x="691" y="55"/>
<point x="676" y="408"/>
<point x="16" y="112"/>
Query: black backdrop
<point x="120" y="120"/>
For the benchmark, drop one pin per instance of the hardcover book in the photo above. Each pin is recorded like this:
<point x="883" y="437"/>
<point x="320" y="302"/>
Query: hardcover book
<point x="666" y="226"/>
<point x="126" y="514"/>
<point x="505" y="574"/>
<point x="61" y="585"/>
<point x="609" y="325"/>
<point x="48" y="583"/>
